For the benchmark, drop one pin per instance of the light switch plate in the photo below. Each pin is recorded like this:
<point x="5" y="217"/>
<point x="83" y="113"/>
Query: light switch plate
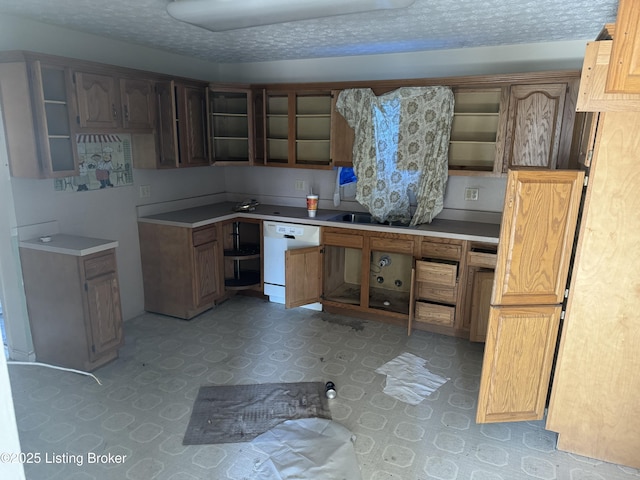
<point x="299" y="184"/>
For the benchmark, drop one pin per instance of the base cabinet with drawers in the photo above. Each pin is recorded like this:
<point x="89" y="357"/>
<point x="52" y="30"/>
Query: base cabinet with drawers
<point x="180" y="268"/>
<point x="74" y="307"/>
<point x="437" y="285"/>
<point x="442" y="285"/>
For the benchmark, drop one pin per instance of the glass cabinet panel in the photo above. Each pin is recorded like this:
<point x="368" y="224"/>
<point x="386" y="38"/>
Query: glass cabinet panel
<point x="53" y="117"/>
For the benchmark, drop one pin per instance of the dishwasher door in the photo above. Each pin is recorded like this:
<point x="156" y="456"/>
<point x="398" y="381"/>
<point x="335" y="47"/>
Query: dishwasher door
<point x="279" y="237"/>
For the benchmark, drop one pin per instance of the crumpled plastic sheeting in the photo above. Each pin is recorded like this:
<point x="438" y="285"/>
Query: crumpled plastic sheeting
<point x="408" y="380"/>
<point x="308" y="448"/>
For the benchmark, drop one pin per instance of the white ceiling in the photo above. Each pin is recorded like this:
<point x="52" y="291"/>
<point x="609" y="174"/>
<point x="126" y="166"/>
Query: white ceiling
<point x="425" y="25"/>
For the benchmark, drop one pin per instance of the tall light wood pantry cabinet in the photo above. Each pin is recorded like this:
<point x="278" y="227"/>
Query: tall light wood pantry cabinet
<point x="596" y="387"/>
<point x="536" y="238"/>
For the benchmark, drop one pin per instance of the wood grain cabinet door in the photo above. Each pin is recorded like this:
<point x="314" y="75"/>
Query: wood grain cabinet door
<point x="207" y="286"/>
<point x="303" y="276"/>
<point x="167" y="138"/>
<point x="98" y="101"/>
<point x="138" y="105"/>
<point x="536" y="236"/>
<point x="534" y="125"/>
<point x="105" y="315"/>
<point x="624" y="69"/>
<point x="517" y="363"/>
<point x="192" y="125"/>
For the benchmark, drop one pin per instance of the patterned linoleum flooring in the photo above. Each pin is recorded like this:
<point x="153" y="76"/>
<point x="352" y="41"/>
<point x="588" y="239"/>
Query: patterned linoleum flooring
<point x="143" y="407"/>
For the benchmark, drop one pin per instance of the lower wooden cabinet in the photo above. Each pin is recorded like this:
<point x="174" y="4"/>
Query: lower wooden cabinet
<point x="74" y="307"/>
<point x="180" y="269"/>
<point x="518" y="355"/>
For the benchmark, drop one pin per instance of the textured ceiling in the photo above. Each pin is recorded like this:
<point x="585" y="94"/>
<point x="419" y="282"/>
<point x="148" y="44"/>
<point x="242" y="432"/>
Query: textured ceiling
<point x="425" y="25"/>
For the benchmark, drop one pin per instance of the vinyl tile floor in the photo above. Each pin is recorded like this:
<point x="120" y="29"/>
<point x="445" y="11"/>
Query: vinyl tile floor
<point x="143" y="406"/>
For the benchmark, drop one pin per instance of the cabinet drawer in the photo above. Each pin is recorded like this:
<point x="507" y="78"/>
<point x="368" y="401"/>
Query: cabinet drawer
<point x="99" y="265"/>
<point x="437" y="273"/>
<point x="392" y="245"/>
<point x="342" y="240"/>
<point x="481" y="259"/>
<point x="426" y="291"/>
<point x="441" y="250"/>
<point x="435" y="314"/>
<point x="204" y="235"/>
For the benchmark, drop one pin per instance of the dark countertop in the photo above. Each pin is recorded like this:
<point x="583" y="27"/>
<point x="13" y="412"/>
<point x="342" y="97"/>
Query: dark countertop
<point x="208" y="214"/>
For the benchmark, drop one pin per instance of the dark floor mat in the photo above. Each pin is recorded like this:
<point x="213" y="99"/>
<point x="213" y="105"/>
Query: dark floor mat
<point x="239" y="413"/>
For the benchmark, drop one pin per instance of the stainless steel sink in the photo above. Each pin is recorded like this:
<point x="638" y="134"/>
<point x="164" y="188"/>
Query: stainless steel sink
<point x="363" y="218"/>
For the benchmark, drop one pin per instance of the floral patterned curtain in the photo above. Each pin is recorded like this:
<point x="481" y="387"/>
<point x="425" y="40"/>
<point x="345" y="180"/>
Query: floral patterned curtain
<point x="401" y="144"/>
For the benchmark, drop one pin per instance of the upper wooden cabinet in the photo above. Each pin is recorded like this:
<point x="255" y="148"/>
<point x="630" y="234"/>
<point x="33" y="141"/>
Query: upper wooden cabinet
<point x="182" y="125"/>
<point x="297" y="128"/>
<point x="192" y="119"/>
<point x="624" y="69"/>
<point x="39" y="119"/>
<point x="232" y="126"/>
<point x="107" y="102"/>
<point x="534" y="125"/>
<point x="477" y="130"/>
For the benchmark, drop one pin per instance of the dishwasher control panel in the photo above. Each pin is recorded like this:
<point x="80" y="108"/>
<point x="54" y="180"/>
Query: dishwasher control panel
<point x="289" y="230"/>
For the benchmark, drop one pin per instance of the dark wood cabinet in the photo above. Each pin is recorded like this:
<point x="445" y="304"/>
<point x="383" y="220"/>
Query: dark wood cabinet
<point x="40" y="124"/>
<point x="192" y="122"/>
<point x="180" y="268"/>
<point x="107" y="102"/>
<point x="74" y="307"/>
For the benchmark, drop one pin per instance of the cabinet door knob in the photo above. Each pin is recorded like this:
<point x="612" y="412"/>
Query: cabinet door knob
<point x="115" y="112"/>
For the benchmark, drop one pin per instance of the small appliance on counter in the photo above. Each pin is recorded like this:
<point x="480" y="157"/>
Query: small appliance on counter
<point x="246" y="206"/>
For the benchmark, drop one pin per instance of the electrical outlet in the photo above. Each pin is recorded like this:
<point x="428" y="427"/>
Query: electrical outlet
<point x="471" y="194"/>
<point x="299" y="184"/>
<point x="145" y="191"/>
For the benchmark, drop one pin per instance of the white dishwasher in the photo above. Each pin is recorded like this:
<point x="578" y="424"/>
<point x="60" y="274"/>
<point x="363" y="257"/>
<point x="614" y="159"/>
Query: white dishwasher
<point x="279" y="237"/>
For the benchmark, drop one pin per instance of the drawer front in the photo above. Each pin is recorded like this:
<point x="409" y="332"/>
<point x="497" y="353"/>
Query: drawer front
<point x="436" y="273"/>
<point x="204" y="235"/>
<point x="342" y="240"/>
<point x="99" y="265"/>
<point x="392" y="245"/>
<point x="481" y="259"/>
<point x="436" y="294"/>
<point x="441" y="250"/>
<point x="435" y="314"/>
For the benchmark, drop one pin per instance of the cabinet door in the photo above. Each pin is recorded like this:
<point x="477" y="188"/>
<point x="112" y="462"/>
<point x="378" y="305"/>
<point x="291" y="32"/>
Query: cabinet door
<point x="534" y="125"/>
<point x="536" y="236"/>
<point x="167" y="137"/>
<point x="192" y="125"/>
<point x="105" y="315"/>
<point x="138" y="105"/>
<point x="517" y="363"/>
<point x="342" y="136"/>
<point x="303" y="276"/>
<point x="98" y="101"/>
<point x="482" y="286"/>
<point x="206" y="269"/>
<point x="54" y="119"/>
<point x="624" y="69"/>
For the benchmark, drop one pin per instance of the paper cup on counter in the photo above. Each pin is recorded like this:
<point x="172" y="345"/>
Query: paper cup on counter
<point x="312" y="205"/>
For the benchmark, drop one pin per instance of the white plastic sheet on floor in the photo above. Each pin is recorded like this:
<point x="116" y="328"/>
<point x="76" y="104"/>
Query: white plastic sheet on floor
<point x="408" y="380"/>
<point x="308" y="448"/>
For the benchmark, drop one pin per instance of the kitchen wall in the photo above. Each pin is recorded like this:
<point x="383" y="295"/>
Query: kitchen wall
<point x="111" y="213"/>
